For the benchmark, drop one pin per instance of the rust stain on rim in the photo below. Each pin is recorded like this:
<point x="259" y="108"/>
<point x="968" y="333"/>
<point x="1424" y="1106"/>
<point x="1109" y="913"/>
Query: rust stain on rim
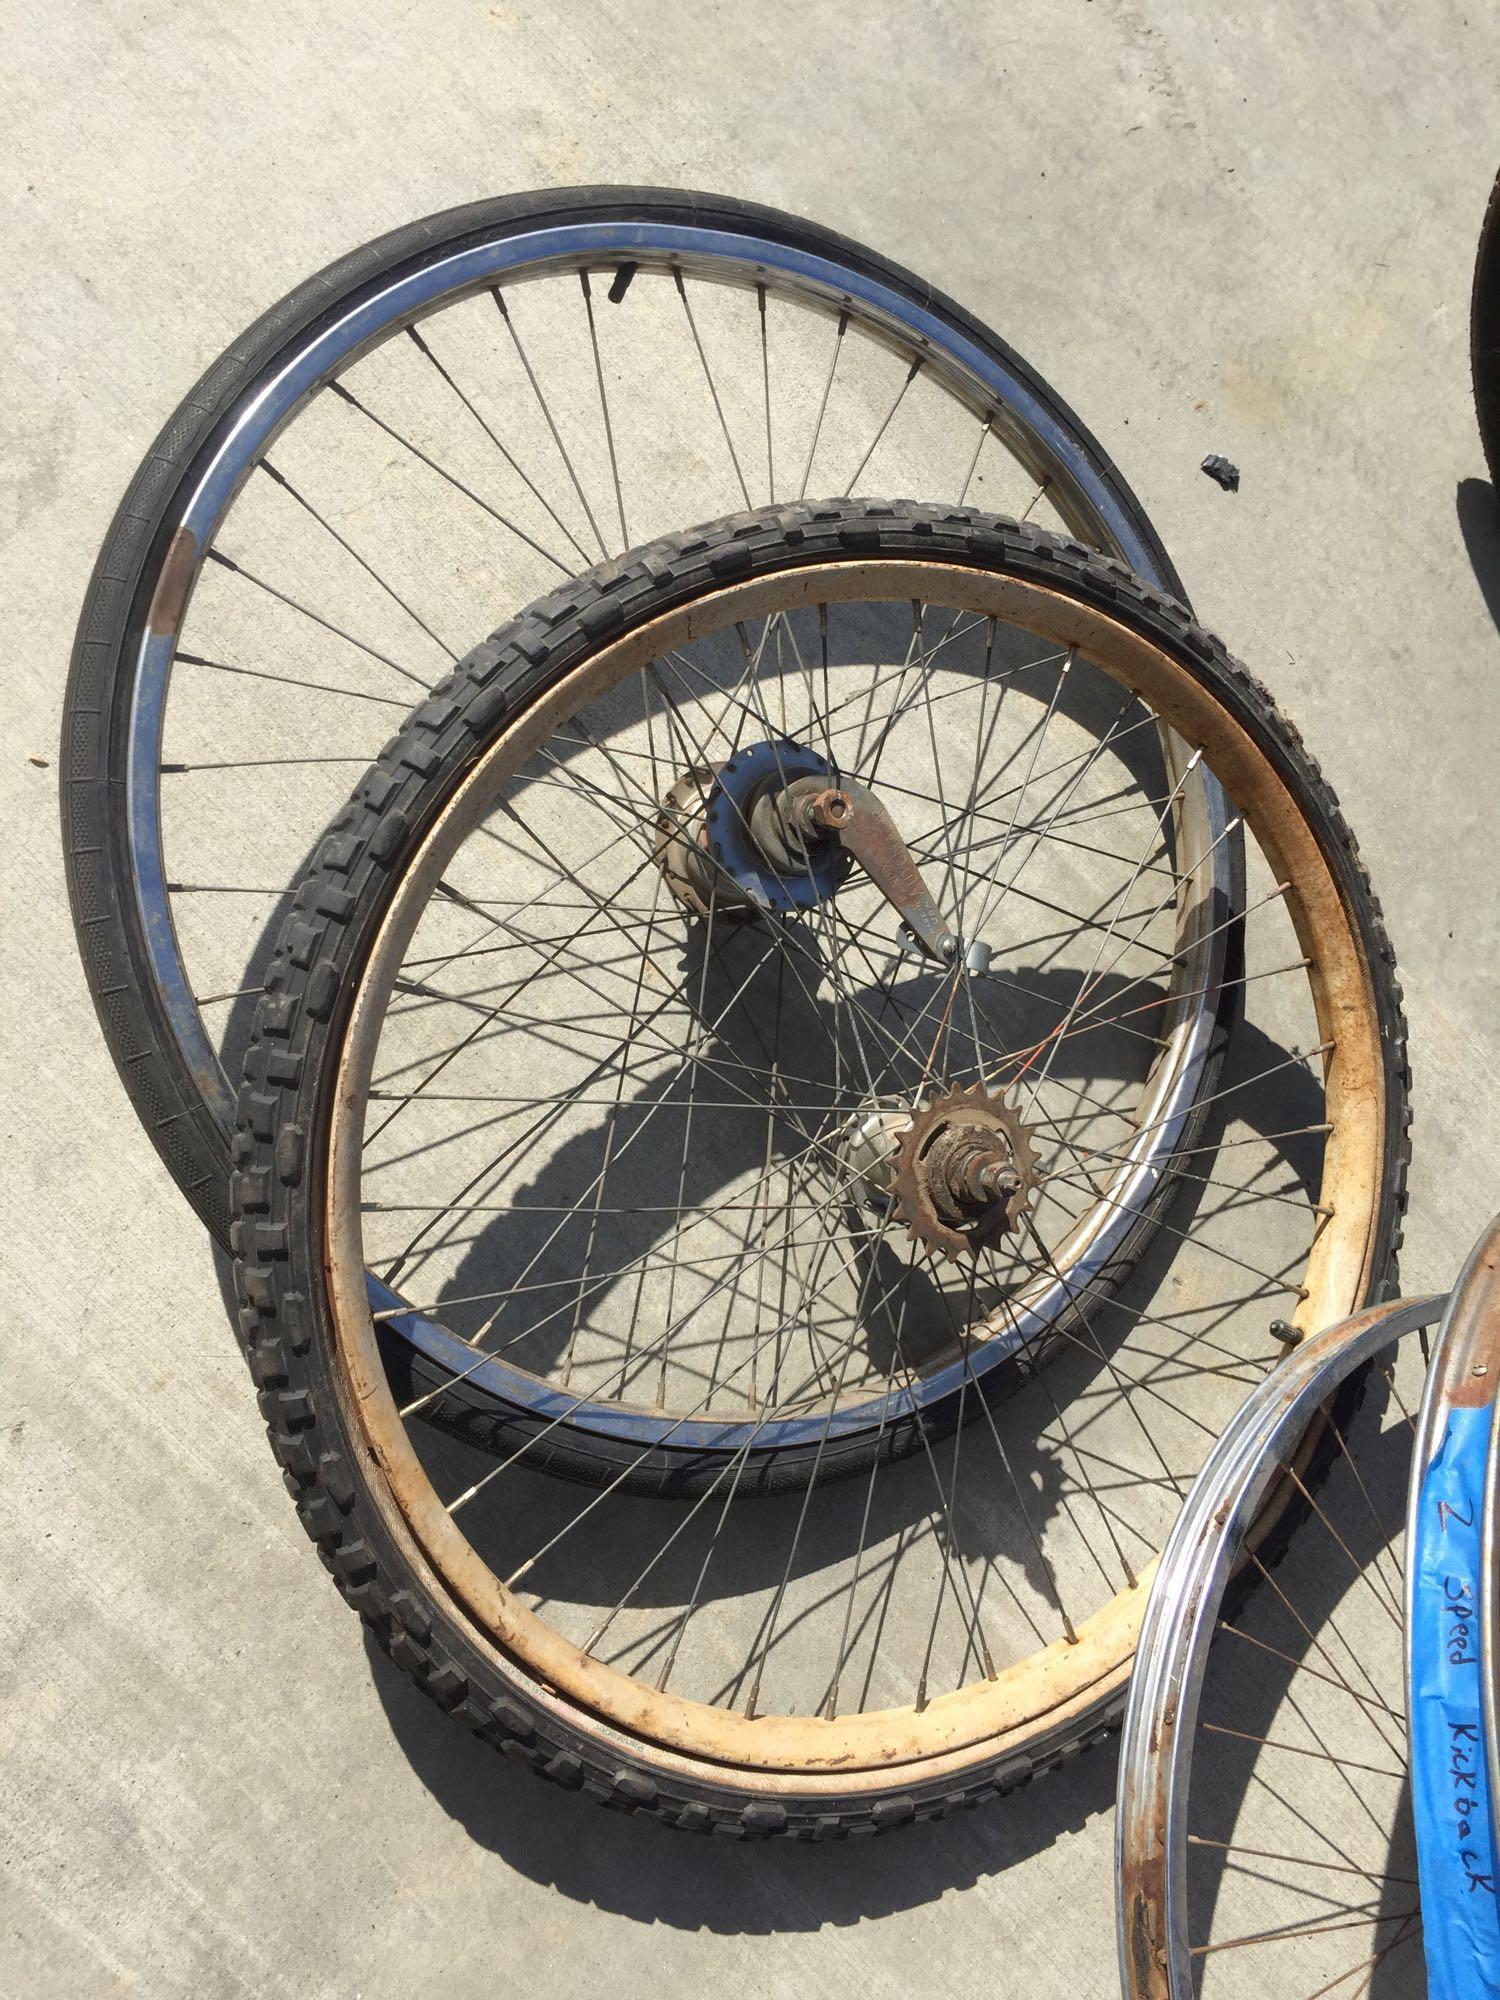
<point x="172" y="585"/>
<point x="1143" y="1888"/>
<point x="1476" y="1320"/>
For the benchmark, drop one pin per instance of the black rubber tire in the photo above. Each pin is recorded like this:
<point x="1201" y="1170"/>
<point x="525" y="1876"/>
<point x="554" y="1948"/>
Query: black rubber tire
<point x="101" y="682"/>
<point x="1484" y="335"/>
<point x="281" y="1133"/>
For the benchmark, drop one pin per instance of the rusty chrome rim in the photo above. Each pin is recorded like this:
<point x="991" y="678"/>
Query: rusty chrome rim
<point x="1161" y="1954"/>
<point x="1416" y="1598"/>
<point x="1046" y="1685"/>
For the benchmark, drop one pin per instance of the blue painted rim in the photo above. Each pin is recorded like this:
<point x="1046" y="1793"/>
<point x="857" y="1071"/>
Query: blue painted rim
<point x="1452" y="1809"/>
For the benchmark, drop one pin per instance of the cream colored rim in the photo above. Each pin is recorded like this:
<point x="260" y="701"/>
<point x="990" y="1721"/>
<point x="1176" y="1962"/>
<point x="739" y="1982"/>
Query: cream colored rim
<point x="1049" y="1688"/>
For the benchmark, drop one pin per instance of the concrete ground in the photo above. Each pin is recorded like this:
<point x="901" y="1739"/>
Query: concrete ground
<point x="1246" y="233"/>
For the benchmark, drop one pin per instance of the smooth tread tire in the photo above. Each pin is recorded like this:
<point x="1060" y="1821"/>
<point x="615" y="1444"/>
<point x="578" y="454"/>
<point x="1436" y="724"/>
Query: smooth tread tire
<point x="108" y="921"/>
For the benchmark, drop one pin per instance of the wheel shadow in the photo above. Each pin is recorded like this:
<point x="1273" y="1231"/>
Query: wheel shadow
<point x="590" y="1209"/>
<point x="656" y="1875"/>
<point x="612" y="1194"/>
<point x="751" y="1550"/>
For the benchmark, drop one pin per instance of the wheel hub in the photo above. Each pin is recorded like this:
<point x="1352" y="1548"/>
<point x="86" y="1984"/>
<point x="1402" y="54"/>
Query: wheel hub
<point x="747" y="835"/>
<point x="773" y="855"/>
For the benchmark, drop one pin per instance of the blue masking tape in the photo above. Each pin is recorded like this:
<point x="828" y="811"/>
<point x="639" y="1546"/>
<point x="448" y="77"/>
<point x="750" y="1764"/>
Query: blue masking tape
<point x="1449" y="1781"/>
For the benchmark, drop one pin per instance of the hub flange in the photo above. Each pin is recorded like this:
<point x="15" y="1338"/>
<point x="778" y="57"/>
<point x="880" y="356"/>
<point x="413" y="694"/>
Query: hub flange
<point x="766" y="849"/>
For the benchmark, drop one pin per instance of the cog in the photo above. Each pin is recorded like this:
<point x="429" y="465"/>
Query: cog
<point x="964" y="1171"/>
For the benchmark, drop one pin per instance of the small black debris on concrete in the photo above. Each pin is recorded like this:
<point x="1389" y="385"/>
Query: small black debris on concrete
<point x="1218" y="467"/>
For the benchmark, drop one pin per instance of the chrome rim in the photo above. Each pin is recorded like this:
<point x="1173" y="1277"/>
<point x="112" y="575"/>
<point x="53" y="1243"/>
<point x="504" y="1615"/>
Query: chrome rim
<point x="1163" y="1952"/>
<point x="232" y="725"/>
<point x="1009" y="433"/>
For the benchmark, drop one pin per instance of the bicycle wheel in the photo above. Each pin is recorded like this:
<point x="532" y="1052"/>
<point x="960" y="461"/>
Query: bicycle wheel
<point x="1264" y="1825"/>
<point x="1288" y="1812"/>
<point x="415" y="443"/>
<point x="901" y="1232"/>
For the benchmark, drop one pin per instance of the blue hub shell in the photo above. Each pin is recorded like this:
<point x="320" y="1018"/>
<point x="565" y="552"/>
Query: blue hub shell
<point x="767" y="767"/>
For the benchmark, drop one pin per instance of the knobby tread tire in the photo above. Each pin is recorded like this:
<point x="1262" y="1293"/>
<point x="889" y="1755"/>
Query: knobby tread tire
<point x="280" y="1136"/>
<point x="96" y="711"/>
